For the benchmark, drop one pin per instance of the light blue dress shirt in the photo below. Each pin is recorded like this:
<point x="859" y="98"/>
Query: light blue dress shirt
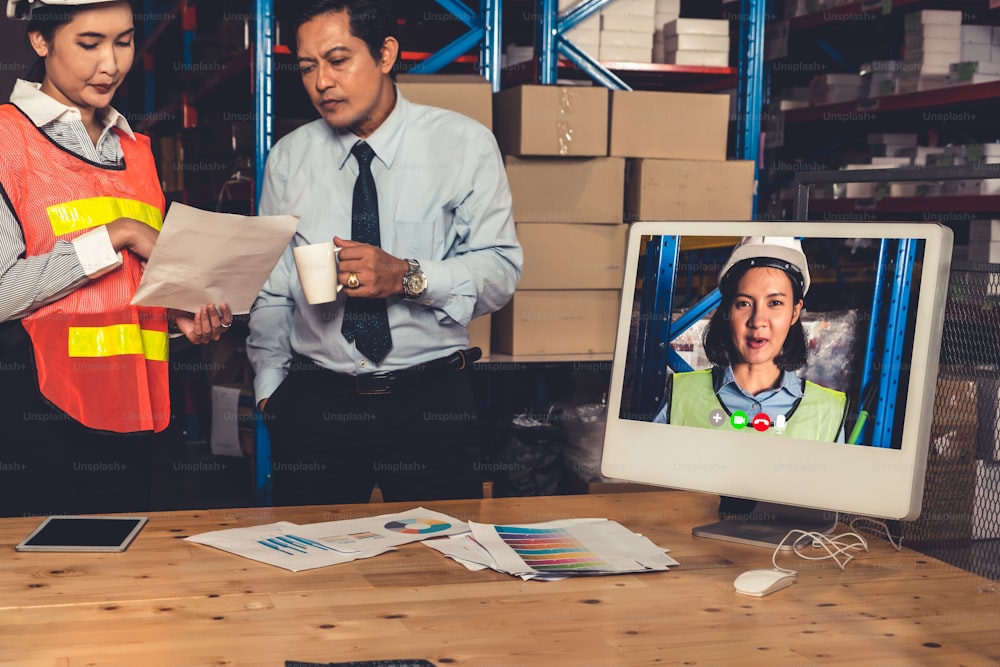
<point x="772" y="402"/>
<point x="443" y="200"/>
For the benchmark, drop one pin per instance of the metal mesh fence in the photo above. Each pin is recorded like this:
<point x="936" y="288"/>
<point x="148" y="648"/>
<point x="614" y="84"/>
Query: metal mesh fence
<point x="960" y="520"/>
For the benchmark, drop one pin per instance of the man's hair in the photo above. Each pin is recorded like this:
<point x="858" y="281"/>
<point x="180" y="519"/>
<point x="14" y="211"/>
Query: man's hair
<point x="720" y="349"/>
<point x="371" y="20"/>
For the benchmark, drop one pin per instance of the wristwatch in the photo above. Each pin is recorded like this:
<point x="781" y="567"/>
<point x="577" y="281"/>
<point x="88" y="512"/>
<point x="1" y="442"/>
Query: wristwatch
<point x="414" y="281"/>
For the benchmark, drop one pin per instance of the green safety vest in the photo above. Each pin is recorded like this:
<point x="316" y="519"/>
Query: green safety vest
<point x="819" y="415"/>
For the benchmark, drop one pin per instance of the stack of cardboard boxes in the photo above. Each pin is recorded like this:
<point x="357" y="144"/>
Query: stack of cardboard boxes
<point x="581" y="162"/>
<point x="568" y="208"/>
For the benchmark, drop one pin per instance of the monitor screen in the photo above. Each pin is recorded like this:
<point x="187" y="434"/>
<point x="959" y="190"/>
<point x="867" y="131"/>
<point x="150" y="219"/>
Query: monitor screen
<point x="796" y="367"/>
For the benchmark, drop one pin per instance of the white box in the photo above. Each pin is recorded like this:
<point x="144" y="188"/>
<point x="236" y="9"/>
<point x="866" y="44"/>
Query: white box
<point x="667" y="7"/>
<point x="700" y="58"/>
<point x="985" y="230"/>
<point x="932" y="31"/>
<point x="939" y="16"/>
<point x="625" y="54"/>
<point x="630" y="8"/>
<point x="620" y="38"/>
<point x="985" y="252"/>
<point x="628" y="23"/>
<point x="687" y="42"/>
<point x="977" y="34"/>
<point x="977" y="53"/>
<point x="696" y="27"/>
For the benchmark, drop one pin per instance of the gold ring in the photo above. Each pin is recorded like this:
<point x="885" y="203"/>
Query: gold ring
<point x="352" y="281"/>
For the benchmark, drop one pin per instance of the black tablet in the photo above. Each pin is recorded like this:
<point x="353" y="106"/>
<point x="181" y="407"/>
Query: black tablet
<point x="83" y="533"/>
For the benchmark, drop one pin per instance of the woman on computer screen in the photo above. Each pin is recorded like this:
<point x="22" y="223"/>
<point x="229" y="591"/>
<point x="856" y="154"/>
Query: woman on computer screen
<point x="756" y="342"/>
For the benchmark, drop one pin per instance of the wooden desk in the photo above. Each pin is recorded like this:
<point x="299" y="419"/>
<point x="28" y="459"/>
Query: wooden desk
<point x="173" y="603"/>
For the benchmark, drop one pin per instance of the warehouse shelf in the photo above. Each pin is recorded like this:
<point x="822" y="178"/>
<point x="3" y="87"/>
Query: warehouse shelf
<point x="937" y="97"/>
<point x="644" y="76"/>
<point x="932" y="204"/>
<point x="870" y="10"/>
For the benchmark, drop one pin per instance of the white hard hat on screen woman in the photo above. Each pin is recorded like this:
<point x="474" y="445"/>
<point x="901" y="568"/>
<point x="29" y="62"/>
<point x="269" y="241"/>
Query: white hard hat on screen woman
<point x="779" y="252"/>
<point x="21" y="9"/>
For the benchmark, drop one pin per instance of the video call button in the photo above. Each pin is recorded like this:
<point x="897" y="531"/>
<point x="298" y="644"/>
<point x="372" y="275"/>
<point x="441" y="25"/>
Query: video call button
<point x="739" y="420"/>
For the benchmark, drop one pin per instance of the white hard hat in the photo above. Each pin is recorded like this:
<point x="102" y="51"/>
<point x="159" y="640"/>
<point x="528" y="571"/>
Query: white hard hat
<point x="779" y="252"/>
<point x="21" y="9"/>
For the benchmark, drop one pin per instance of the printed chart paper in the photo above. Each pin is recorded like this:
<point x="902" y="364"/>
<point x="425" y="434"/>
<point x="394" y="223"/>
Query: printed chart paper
<point x="304" y="547"/>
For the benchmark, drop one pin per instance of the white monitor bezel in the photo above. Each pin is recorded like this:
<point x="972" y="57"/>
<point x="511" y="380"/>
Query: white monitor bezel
<point x="872" y="481"/>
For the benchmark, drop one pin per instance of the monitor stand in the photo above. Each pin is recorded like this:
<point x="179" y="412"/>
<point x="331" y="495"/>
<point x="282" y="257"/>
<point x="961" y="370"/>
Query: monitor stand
<point x="767" y="524"/>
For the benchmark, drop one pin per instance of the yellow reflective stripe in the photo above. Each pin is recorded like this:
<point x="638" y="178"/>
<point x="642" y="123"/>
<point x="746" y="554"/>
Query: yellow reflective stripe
<point x="116" y="340"/>
<point x="81" y="214"/>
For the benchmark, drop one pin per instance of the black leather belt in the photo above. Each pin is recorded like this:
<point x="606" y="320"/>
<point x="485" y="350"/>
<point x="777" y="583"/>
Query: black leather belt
<point x="385" y="382"/>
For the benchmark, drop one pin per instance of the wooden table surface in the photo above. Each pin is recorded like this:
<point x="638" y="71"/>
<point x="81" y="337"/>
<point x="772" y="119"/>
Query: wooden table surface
<point x="169" y="602"/>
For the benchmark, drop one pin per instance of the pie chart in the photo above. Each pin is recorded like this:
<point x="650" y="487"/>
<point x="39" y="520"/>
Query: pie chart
<point x="418" y="526"/>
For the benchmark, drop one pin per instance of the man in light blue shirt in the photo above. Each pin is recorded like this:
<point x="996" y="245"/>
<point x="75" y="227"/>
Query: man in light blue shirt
<point x="403" y="417"/>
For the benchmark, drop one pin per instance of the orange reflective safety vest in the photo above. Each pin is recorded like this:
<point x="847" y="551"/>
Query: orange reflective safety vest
<point x="100" y="360"/>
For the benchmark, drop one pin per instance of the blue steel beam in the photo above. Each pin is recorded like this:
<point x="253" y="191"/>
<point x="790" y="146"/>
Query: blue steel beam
<point x="652" y="352"/>
<point x="490" y="50"/>
<point x="589" y="66"/>
<point x="895" y="335"/>
<point x="461" y="12"/>
<point x="448" y="54"/>
<point x="264" y="112"/>
<point x="750" y="86"/>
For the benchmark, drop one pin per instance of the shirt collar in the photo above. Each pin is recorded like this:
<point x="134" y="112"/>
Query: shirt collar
<point x="384" y="140"/>
<point x="790" y="382"/>
<point x="42" y="109"/>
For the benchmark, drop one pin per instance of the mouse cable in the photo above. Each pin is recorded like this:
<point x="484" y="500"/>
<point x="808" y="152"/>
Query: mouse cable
<point x="895" y="540"/>
<point x="837" y="547"/>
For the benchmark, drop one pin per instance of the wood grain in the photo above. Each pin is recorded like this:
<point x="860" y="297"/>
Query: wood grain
<point x="173" y="603"/>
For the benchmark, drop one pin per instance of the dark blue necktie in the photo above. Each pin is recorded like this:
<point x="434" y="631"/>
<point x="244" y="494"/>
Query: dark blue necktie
<point x="366" y="322"/>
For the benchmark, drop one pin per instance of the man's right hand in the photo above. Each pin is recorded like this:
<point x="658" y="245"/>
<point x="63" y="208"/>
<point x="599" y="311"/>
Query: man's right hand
<point x="129" y="234"/>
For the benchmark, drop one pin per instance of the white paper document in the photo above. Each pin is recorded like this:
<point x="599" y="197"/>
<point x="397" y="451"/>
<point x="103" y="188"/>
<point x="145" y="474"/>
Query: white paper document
<point x="556" y="549"/>
<point x="304" y="547"/>
<point x="202" y="257"/>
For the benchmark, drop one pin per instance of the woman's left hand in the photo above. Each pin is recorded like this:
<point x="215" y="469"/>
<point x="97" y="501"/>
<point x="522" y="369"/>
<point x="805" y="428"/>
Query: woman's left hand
<point x="205" y="325"/>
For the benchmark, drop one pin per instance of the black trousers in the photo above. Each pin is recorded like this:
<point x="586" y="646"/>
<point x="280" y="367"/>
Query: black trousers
<point x="50" y="464"/>
<point x="332" y="445"/>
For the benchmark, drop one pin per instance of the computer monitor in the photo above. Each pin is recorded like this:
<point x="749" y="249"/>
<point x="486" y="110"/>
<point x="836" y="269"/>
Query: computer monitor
<point x="872" y="322"/>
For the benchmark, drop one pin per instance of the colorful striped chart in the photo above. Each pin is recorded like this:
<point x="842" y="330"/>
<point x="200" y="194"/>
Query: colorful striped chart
<point x="549" y="549"/>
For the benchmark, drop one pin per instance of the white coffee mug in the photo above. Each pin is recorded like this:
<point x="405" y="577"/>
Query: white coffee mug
<point x="317" y="268"/>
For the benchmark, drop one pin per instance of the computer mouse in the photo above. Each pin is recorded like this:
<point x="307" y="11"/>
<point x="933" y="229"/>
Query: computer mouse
<point x="763" y="582"/>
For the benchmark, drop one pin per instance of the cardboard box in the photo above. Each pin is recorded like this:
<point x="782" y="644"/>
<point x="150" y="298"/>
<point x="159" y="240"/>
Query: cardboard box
<point x="685" y="42"/>
<point x="479" y="333"/>
<point x="552" y="120"/>
<point x="702" y="58"/>
<point x="653" y="124"/>
<point x="684" y="26"/>
<point x="567" y="189"/>
<point x="572" y="256"/>
<point x="689" y="190"/>
<point x="557" y="322"/>
<point x="468" y="94"/>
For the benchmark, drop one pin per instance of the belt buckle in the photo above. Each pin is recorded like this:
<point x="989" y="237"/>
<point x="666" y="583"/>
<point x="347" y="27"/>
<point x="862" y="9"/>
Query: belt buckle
<point x="373" y="384"/>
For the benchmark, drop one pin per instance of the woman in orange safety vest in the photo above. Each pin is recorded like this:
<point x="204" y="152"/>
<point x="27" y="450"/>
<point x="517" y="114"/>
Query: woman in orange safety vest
<point x="84" y="394"/>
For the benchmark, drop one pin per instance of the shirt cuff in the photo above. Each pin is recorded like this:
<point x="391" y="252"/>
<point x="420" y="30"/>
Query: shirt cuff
<point x="96" y="254"/>
<point x="267" y="381"/>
